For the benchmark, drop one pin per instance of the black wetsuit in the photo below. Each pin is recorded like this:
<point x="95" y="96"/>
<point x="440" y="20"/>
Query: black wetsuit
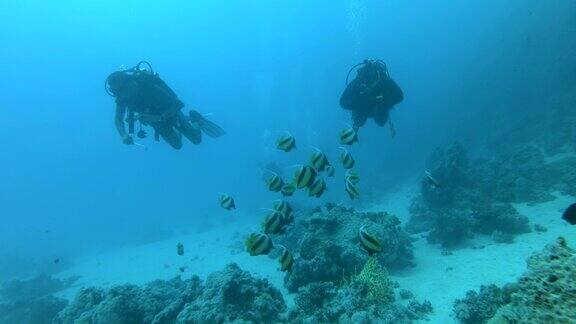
<point x="156" y="105"/>
<point x="371" y="94"/>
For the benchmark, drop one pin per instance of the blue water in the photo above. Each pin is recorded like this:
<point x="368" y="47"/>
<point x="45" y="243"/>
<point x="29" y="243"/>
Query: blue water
<point x="69" y="187"/>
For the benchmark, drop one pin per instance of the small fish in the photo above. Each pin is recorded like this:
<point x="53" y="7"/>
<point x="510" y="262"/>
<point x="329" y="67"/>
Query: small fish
<point x="180" y="249"/>
<point x="304" y="176"/>
<point x="183" y="268"/>
<point x="347" y="159"/>
<point x="288" y="219"/>
<point x="286" y="143"/>
<point x="431" y="181"/>
<point x="570" y="214"/>
<point x="318" y="160"/>
<point x="286" y="260"/>
<point x="352" y="177"/>
<point x="273" y="223"/>
<point x="275" y="183"/>
<point x="369" y="242"/>
<point x="348" y="136"/>
<point x="288" y="189"/>
<point x="330" y="171"/>
<point x="283" y="207"/>
<point x="227" y="202"/>
<point x="258" y="244"/>
<point x="352" y="190"/>
<point x="317" y="188"/>
<point x="57" y="260"/>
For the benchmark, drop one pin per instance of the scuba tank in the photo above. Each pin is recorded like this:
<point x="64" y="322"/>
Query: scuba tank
<point x="381" y="69"/>
<point x="141" y="67"/>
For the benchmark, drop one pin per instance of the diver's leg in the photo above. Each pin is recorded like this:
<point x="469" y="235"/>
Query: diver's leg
<point x="170" y="136"/>
<point x="358" y="119"/>
<point x="381" y="117"/>
<point x="191" y="132"/>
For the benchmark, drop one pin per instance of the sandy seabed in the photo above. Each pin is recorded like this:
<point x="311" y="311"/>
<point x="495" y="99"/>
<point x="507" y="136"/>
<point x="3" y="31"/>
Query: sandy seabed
<point x="438" y="278"/>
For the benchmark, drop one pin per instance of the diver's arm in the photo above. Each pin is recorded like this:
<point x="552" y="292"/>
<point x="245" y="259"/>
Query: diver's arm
<point x="119" y="123"/>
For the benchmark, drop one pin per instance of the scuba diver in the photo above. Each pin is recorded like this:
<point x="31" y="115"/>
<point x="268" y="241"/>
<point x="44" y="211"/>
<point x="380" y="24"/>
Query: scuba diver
<point x="141" y="96"/>
<point x="371" y="94"/>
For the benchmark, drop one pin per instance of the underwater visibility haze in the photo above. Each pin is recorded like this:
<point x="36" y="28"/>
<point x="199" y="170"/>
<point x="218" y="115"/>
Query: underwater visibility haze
<point x="354" y="161"/>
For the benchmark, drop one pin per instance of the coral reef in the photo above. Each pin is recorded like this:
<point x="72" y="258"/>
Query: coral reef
<point x="234" y="295"/>
<point x="546" y="293"/>
<point x="328" y="245"/>
<point x="31" y="301"/>
<point x="228" y="295"/>
<point x="474" y="196"/>
<point x="365" y="297"/>
<point x="478" y="307"/>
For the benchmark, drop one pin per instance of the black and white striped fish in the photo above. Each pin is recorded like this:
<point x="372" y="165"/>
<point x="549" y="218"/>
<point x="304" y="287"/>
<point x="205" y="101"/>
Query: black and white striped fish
<point x="227" y="202"/>
<point x="304" y="176"/>
<point x="352" y="177"/>
<point x="258" y="244"/>
<point x="347" y="159"/>
<point x="286" y="260"/>
<point x="348" y="136"/>
<point x="369" y="242"/>
<point x="275" y="183"/>
<point x="273" y="222"/>
<point x="286" y="143"/>
<point x="317" y="188"/>
<point x="318" y="160"/>
<point x="352" y="190"/>
<point x="288" y="189"/>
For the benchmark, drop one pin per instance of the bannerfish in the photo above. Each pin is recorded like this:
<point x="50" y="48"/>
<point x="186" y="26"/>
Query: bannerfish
<point x="286" y="143"/>
<point x="352" y="190"/>
<point x="273" y="222"/>
<point x="304" y="176"/>
<point x="283" y="207"/>
<point x="286" y="260"/>
<point x="227" y="202"/>
<point x="317" y="188"/>
<point x="570" y="214"/>
<point x="430" y="180"/>
<point x="288" y="189"/>
<point x="318" y="160"/>
<point x="287" y="219"/>
<point x="180" y="249"/>
<point x="258" y="244"/>
<point x="347" y="159"/>
<point x="330" y="171"/>
<point x="369" y="242"/>
<point x="275" y="183"/>
<point x="348" y="136"/>
<point x="352" y="177"/>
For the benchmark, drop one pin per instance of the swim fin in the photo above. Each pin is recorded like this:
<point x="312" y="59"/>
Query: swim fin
<point x="208" y="127"/>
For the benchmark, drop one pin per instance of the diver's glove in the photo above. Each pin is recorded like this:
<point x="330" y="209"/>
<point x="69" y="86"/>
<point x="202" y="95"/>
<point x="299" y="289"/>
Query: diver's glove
<point x="128" y="140"/>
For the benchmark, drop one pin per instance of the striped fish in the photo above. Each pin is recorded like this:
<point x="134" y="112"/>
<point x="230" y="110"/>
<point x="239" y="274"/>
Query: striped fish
<point x="330" y="171"/>
<point x="287" y="218"/>
<point x="304" y="176"/>
<point x="286" y="260"/>
<point x="275" y="183"/>
<point x="258" y="244"/>
<point x="352" y="190"/>
<point x="286" y="143"/>
<point x="180" y="248"/>
<point x="227" y="202"/>
<point x="283" y="207"/>
<point x="317" y="188"/>
<point x="352" y="177"/>
<point x="318" y="160"/>
<point x="288" y="189"/>
<point x="369" y="242"/>
<point x="272" y="224"/>
<point x="347" y="159"/>
<point x="348" y="136"/>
